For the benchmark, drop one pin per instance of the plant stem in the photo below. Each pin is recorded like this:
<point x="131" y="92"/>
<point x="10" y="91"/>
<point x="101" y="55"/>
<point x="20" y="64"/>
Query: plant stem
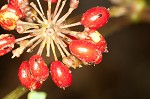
<point x="16" y="93"/>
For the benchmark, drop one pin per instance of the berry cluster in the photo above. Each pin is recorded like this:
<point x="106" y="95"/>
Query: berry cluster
<point x="50" y="32"/>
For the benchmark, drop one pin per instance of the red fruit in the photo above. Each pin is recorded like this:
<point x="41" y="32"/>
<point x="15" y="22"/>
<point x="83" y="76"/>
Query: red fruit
<point x="102" y="45"/>
<point x="21" y="4"/>
<point x="9" y="15"/>
<point x="7" y="42"/>
<point x="25" y="77"/>
<point x="98" y="39"/>
<point x="99" y="58"/>
<point x="85" y="50"/>
<point x="38" y="68"/>
<point x="53" y="1"/>
<point x="95" y="17"/>
<point x="61" y="75"/>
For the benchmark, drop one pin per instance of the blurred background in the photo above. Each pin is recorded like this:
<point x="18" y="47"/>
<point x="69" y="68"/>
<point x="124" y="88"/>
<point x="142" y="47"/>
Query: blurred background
<point x="124" y="72"/>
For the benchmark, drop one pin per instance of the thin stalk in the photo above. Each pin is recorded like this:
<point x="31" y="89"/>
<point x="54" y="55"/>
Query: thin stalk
<point x="49" y="11"/>
<point x="62" y="19"/>
<point x="64" y="49"/>
<point x="23" y="38"/>
<point x="41" y="47"/>
<point x="71" y="25"/>
<point x="40" y="7"/>
<point x="16" y="93"/>
<point x="34" y="45"/>
<point x="48" y="47"/>
<point x="53" y="49"/>
<point x="60" y="50"/>
<point x="60" y="10"/>
<point x="56" y="8"/>
<point x="41" y="15"/>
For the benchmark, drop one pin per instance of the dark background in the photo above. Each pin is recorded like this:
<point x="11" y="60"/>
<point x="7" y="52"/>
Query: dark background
<point x="124" y="72"/>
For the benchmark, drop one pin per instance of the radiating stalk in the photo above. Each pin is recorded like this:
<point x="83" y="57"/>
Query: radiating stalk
<point x="62" y="19"/>
<point x="60" y="10"/>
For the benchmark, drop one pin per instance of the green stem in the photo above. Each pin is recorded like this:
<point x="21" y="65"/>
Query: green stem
<point x="16" y="93"/>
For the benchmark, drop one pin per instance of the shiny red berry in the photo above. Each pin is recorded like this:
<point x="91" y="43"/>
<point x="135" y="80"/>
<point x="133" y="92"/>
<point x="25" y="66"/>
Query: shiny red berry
<point x="98" y="39"/>
<point x="9" y="15"/>
<point x="99" y="58"/>
<point x="53" y="1"/>
<point x="85" y="50"/>
<point x="61" y="75"/>
<point x="38" y="68"/>
<point x="102" y="45"/>
<point x="7" y="42"/>
<point x="26" y="78"/>
<point x="95" y="17"/>
<point x="20" y="4"/>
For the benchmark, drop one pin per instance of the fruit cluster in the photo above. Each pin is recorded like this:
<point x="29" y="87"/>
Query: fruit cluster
<point x="50" y="31"/>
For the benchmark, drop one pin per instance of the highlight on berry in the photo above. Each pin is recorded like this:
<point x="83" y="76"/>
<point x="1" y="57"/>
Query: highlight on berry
<point x="50" y="32"/>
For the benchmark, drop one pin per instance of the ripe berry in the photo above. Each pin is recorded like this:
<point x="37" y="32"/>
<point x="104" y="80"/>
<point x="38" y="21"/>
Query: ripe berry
<point x="19" y="3"/>
<point x="9" y="15"/>
<point x="60" y="74"/>
<point x="98" y="39"/>
<point x="53" y="1"/>
<point x="26" y="78"/>
<point x="7" y="42"/>
<point x="85" y="50"/>
<point x="95" y="17"/>
<point x="38" y="68"/>
<point x="99" y="58"/>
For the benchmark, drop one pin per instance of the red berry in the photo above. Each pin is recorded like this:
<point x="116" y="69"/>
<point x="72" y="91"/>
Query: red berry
<point x="98" y="39"/>
<point x="61" y="75"/>
<point x="98" y="59"/>
<point x="102" y="45"/>
<point x="53" y="1"/>
<point x="9" y="15"/>
<point x="38" y="68"/>
<point x="20" y="4"/>
<point x="85" y="50"/>
<point x="95" y="17"/>
<point x="25" y="77"/>
<point x="7" y="42"/>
